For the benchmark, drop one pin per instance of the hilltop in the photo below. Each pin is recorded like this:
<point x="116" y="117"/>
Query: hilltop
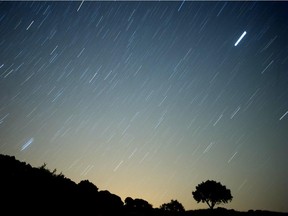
<point x="37" y="190"/>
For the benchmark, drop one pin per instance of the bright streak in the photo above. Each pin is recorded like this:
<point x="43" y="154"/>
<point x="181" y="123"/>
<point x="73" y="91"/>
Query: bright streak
<point x="30" y="25"/>
<point x="181" y="5"/>
<point x="235" y="112"/>
<point x="118" y="166"/>
<point x="28" y="143"/>
<point x="218" y="119"/>
<point x="241" y="37"/>
<point x="208" y="147"/>
<point x="80" y="5"/>
<point x="283" y="115"/>
<point x="232" y="157"/>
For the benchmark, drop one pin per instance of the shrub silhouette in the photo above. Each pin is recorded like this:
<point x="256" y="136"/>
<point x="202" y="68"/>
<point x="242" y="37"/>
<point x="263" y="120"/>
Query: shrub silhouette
<point x="129" y="203"/>
<point x="87" y="186"/>
<point x="137" y="203"/>
<point x="212" y="193"/>
<point x="173" y="206"/>
<point x="109" y="203"/>
<point x="137" y="207"/>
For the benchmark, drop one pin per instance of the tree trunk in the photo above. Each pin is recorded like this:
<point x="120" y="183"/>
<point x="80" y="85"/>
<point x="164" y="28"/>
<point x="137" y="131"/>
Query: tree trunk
<point x="209" y="205"/>
<point x="212" y="205"/>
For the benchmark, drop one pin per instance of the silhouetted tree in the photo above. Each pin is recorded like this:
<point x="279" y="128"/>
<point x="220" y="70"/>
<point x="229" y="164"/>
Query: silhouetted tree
<point x="212" y="193"/>
<point x="87" y="186"/>
<point x="173" y="206"/>
<point x="142" y="204"/>
<point x="109" y="202"/>
<point x="129" y="202"/>
<point x="137" y="207"/>
<point x="87" y="194"/>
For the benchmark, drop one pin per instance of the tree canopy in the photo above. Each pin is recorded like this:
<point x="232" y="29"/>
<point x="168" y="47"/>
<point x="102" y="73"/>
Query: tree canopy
<point x="173" y="206"/>
<point x="212" y="193"/>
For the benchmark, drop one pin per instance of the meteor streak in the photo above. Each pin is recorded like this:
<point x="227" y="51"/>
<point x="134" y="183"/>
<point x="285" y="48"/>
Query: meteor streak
<point x="28" y="143"/>
<point x="244" y="33"/>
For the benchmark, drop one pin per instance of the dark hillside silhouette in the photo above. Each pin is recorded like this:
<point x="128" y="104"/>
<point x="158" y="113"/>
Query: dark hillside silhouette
<point x="26" y="190"/>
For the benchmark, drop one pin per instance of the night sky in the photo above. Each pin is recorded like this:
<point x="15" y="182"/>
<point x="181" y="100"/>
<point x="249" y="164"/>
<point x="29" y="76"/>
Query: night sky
<point x="149" y="99"/>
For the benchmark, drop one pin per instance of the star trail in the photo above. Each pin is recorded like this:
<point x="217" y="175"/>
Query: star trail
<point x="147" y="99"/>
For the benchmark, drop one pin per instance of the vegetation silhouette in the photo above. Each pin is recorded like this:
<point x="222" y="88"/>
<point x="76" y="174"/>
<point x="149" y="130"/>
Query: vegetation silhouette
<point x="36" y="191"/>
<point x="173" y="208"/>
<point x="137" y="206"/>
<point x="212" y="193"/>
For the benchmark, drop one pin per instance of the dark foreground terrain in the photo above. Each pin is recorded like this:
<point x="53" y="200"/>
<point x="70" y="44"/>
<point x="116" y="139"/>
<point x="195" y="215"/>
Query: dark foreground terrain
<point x="27" y="190"/>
